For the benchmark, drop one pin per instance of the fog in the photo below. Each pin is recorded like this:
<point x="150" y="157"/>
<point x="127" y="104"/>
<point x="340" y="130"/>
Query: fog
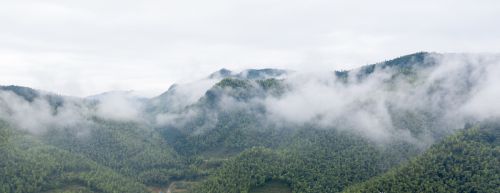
<point x="459" y="88"/>
<point x="37" y="116"/>
<point x="119" y="106"/>
<point x="441" y="94"/>
<point x="444" y="92"/>
<point x="40" y="114"/>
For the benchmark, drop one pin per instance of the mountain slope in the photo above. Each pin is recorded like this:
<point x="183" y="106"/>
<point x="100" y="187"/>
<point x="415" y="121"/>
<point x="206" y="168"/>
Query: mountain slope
<point x="30" y="166"/>
<point x="313" y="161"/>
<point x="466" y="162"/>
<point x="129" y="148"/>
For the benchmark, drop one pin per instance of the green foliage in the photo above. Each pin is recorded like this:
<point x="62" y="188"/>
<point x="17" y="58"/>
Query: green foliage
<point x="466" y="162"/>
<point x="251" y="168"/>
<point x="233" y="83"/>
<point x="243" y="89"/>
<point x="128" y="148"/>
<point x="314" y="161"/>
<point x="273" y="86"/>
<point x="30" y="166"/>
<point x="272" y="187"/>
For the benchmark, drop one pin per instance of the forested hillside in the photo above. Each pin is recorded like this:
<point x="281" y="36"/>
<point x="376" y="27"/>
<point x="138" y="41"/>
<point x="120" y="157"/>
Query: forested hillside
<point x="417" y="123"/>
<point x="466" y="162"/>
<point x="136" y="151"/>
<point x="30" y="166"/>
<point x="314" y="161"/>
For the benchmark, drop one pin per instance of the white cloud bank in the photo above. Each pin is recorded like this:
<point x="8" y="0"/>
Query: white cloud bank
<point x="459" y="89"/>
<point x="437" y="100"/>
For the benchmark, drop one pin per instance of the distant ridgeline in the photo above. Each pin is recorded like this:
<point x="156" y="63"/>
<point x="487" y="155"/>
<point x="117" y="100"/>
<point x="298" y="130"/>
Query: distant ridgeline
<point x="238" y="132"/>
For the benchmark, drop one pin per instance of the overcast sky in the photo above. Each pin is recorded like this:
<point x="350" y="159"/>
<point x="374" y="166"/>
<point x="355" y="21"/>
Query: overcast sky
<point x="87" y="47"/>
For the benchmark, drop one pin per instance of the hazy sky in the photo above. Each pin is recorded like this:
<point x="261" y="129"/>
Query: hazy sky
<point x="86" y="47"/>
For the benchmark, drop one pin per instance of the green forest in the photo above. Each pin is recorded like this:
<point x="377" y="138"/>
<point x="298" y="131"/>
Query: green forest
<point x="229" y="141"/>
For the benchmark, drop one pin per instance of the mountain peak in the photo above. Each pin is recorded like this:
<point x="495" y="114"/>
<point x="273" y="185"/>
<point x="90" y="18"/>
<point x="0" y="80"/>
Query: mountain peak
<point x="27" y="93"/>
<point x="222" y="73"/>
<point x="262" y="73"/>
<point x="419" y="58"/>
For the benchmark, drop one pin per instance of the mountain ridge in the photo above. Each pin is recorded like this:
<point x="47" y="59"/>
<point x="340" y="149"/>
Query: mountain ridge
<point x="354" y="131"/>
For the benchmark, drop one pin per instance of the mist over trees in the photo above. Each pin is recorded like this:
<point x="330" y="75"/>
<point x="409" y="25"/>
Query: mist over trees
<point x="425" y="122"/>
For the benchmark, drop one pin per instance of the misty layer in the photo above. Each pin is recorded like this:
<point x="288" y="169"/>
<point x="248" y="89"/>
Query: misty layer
<point x="36" y="111"/>
<point x="418" y="97"/>
<point x="443" y="91"/>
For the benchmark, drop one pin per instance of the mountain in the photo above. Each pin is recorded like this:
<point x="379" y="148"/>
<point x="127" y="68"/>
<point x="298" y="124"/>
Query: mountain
<point x="123" y="94"/>
<point x="250" y="74"/>
<point x="179" y="96"/>
<point x="423" y="122"/>
<point x="30" y="95"/>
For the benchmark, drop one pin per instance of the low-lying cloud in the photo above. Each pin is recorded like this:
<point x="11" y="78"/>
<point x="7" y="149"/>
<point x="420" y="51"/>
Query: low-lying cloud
<point x="119" y="107"/>
<point x="457" y="89"/>
<point x="38" y="115"/>
<point x="439" y="95"/>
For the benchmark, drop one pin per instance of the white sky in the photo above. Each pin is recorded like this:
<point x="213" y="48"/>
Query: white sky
<point x="87" y="47"/>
